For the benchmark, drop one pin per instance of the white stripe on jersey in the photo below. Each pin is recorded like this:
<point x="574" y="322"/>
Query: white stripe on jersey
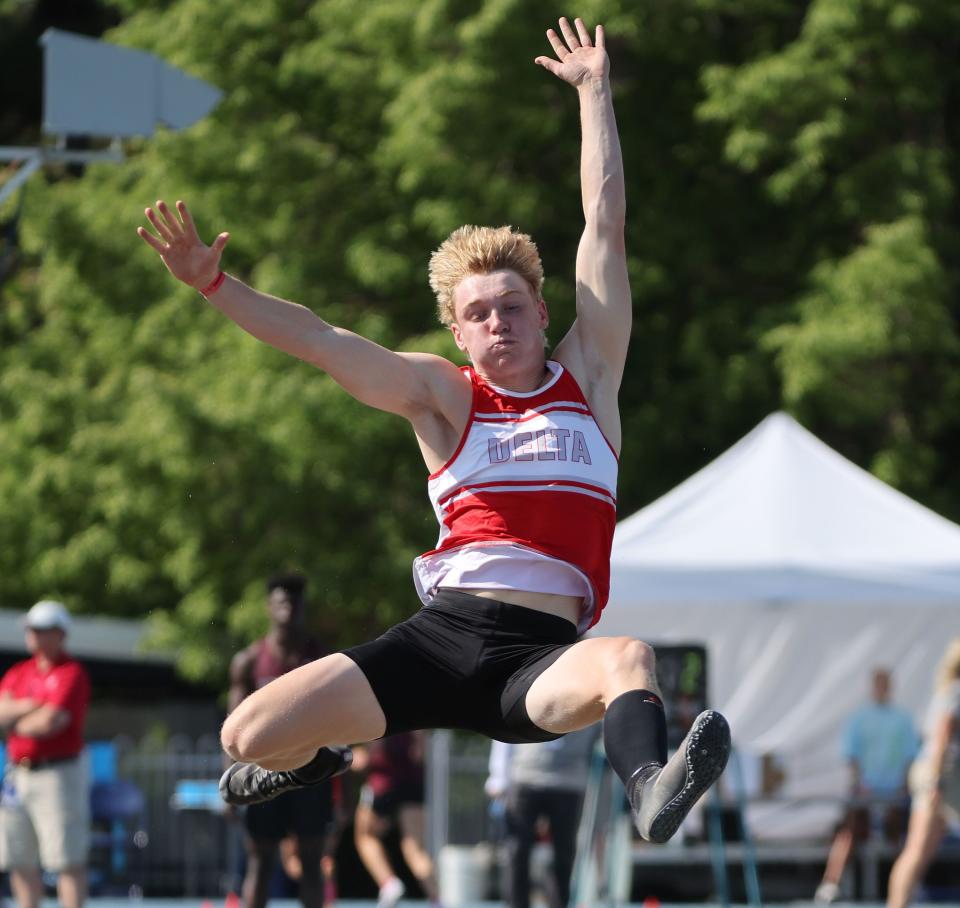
<point x="542" y="487"/>
<point x="498" y="416"/>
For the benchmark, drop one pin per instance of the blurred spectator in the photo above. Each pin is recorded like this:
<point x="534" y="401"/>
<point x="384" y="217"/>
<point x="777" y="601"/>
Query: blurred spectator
<point x="879" y="742"/>
<point x="934" y="782"/>
<point x="45" y="805"/>
<point x="393" y="794"/>
<point x="305" y="813"/>
<point x="541" y="782"/>
<point x="290" y="862"/>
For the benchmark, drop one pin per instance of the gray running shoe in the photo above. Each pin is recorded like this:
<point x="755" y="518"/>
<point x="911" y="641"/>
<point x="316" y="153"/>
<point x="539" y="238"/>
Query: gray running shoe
<point x="662" y="796"/>
<point x="247" y="783"/>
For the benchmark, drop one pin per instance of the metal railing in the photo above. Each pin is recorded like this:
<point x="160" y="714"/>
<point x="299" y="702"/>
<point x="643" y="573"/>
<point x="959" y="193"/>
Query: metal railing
<point x="183" y="844"/>
<point x="170" y="847"/>
<point x="187" y="846"/>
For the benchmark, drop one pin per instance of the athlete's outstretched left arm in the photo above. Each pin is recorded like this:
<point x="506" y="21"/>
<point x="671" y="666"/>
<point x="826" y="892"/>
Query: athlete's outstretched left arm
<point x="596" y="346"/>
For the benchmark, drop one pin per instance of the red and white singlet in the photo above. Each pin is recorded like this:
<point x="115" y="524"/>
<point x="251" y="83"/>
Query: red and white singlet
<point x="528" y="499"/>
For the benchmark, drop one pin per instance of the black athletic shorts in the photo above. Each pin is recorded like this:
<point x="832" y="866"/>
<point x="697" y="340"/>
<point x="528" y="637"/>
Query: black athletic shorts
<point x="466" y="662"/>
<point x="388" y="803"/>
<point x="306" y="813"/>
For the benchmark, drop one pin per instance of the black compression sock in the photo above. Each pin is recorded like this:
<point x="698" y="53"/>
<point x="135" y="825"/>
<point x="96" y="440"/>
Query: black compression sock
<point x="329" y="761"/>
<point x="635" y="732"/>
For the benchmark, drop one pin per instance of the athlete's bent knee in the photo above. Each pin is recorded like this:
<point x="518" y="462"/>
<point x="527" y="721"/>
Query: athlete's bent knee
<point x="240" y="737"/>
<point x="627" y="655"/>
<point x="229" y="738"/>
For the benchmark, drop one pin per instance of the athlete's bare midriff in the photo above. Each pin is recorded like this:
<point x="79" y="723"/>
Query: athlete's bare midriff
<point x="568" y="607"/>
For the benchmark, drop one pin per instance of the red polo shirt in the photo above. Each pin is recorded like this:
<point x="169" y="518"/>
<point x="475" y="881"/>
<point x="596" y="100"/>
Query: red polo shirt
<point x="66" y="685"/>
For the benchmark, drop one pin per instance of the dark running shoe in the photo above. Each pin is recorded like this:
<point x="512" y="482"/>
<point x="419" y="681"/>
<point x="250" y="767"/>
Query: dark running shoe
<point x="662" y="796"/>
<point x="247" y="783"/>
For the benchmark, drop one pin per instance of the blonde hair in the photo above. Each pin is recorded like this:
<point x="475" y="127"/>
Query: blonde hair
<point x="949" y="669"/>
<point x="480" y="250"/>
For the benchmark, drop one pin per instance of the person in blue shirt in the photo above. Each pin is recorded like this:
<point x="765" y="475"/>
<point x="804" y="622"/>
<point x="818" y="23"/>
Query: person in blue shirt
<point x="879" y="742"/>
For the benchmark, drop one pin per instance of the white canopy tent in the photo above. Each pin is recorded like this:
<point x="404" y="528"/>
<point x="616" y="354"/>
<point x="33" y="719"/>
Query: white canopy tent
<point x="800" y="572"/>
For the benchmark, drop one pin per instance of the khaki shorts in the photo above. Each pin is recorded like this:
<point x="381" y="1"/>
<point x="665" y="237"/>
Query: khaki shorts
<point x="922" y="787"/>
<point x="45" y="817"/>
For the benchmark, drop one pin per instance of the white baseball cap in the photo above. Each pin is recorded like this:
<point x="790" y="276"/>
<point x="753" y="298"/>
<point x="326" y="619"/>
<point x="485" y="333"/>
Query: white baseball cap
<point x="47" y="614"/>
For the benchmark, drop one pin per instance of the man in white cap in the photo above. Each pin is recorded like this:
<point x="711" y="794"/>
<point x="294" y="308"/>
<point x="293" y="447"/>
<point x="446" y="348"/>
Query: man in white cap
<point x="44" y="811"/>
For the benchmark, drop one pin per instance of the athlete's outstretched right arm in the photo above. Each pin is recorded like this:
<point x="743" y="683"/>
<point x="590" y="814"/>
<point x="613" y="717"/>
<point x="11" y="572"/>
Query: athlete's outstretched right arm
<point x="399" y="383"/>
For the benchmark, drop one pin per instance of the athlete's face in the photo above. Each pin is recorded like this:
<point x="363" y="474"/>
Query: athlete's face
<point x="499" y="323"/>
<point x="285" y="608"/>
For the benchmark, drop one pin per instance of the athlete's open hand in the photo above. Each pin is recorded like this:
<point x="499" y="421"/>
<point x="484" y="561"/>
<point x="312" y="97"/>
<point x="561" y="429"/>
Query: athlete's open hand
<point x="579" y="58"/>
<point x="186" y="256"/>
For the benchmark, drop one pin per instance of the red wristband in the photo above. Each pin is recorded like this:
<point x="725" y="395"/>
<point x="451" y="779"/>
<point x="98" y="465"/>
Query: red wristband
<point x="214" y="285"/>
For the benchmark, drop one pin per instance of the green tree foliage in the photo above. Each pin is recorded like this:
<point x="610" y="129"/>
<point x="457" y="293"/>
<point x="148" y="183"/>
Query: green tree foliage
<point x="791" y="237"/>
<point x="850" y="127"/>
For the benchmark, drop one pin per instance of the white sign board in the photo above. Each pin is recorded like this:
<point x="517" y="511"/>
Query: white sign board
<point x="97" y="89"/>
